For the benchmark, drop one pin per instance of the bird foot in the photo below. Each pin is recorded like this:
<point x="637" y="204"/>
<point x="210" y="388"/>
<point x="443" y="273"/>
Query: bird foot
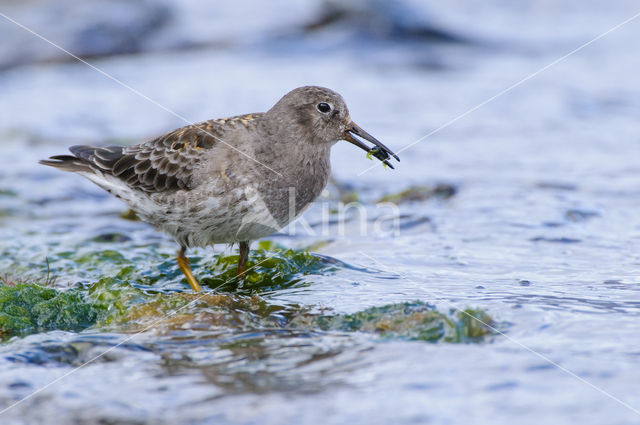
<point x="183" y="263"/>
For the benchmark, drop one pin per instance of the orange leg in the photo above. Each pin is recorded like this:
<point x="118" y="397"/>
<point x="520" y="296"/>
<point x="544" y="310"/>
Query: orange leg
<point x="183" y="263"/>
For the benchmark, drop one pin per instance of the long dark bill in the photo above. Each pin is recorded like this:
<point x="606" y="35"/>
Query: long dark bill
<point x="381" y="152"/>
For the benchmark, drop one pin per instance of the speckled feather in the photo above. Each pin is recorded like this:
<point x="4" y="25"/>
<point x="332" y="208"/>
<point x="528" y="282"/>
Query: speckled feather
<point x="165" y="164"/>
<point x="226" y="180"/>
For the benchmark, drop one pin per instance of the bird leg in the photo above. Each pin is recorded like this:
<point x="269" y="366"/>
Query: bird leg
<point x="183" y="263"/>
<point x="244" y="255"/>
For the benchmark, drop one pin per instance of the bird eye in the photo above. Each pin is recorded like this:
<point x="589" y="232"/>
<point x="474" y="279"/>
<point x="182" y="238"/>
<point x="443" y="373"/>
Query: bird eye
<point x="323" y="107"/>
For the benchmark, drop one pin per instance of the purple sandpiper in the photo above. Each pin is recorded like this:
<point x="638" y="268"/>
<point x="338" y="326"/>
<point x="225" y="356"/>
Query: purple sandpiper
<point x="231" y="180"/>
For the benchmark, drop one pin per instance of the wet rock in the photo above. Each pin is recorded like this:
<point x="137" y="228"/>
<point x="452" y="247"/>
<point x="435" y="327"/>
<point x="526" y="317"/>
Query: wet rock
<point x="87" y="29"/>
<point x="269" y="268"/>
<point x="343" y="191"/>
<point x="413" y="321"/>
<point x="111" y="238"/>
<point x="572" y="215"/>
<point x="557" y="186"/>
<point x="391" y="20"/>
<point x="576" y="215"/>
<point x="19" y="385"/>
<point x="8" y="193"/>
<point x="27" y="308"/>
<point x="409" y="222"/>
<point x="176" y="311"/>
<point x="616" y="284"/>
<point x="552" y="224"/>
<point x="555" y="240"/>
<point x="421" y="193"/>
<point x="349" y="197"/>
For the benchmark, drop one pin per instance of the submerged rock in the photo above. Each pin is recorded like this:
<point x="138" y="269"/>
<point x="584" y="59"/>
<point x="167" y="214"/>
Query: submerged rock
<point x="30" y="308"/>
<point x="167" y="312"/>
<point x="269" y="268"/>
<point x="417" y="321"/>
<point x="555" y="240"/>
<point x="87" y="29"/>
<point x="136" y="293"/>
<point x="577" y="215"/>
<point x="421" y="193"/>
<point x="563" y="186"/>
<point x="111" y="238"/>
<point x="393" y="20"/>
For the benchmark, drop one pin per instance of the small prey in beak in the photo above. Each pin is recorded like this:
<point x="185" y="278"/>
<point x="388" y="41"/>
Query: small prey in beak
<point x="380" y="151"/>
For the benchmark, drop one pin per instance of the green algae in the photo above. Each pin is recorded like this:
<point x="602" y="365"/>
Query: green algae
<point x="114" y="298"/>
<point x="474" y="324"/>
<point x="420" y="193"/>
<point x="416" y="321"/>
<point x="108" y="283"/>
<point x="130" y="215"/>
<point x="26" y="309"/>
<point x="349" y="197"/>
<point x="7" y="209"/>
<point x="203" y="311"/>
<point x="141" y="288"/>
<point x="8" y="193"/>
<point x="269" y="268"/>
<point x="29" y="308"/>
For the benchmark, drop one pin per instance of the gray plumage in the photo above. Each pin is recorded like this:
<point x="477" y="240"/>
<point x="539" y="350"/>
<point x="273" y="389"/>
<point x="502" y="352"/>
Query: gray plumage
<point x="227" y="180"/>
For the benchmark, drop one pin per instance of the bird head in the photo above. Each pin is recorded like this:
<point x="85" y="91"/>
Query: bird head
<point x="320" y="116"/>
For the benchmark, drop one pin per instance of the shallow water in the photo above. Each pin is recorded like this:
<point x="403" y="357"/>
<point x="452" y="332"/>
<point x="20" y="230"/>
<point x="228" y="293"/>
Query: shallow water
<point x="543" y="233"/>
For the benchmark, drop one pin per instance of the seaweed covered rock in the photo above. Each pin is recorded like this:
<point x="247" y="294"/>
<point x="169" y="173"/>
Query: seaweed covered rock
<point x="417" y="321"/>
<point x="169" y="312"/>
<point x="269" y="268"/>
<point x="28" y="308"/>
<point x="125" y="296"/>
<point x="421" y="193"/>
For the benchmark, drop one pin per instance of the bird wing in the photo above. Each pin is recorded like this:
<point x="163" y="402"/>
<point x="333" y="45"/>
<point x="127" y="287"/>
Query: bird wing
<point x="162" y="165"/>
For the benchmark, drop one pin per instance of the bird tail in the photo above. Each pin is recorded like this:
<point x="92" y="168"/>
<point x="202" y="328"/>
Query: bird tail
<point x="66" y="163"/>
<point x="78" y="162"/>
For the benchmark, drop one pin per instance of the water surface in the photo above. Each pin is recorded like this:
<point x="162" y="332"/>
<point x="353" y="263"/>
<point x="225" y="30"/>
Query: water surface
<point x="543" y="232"/>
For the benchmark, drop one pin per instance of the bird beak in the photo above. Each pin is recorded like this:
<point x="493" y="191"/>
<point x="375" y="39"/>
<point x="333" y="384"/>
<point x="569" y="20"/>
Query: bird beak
<point x="380" y="151"/>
